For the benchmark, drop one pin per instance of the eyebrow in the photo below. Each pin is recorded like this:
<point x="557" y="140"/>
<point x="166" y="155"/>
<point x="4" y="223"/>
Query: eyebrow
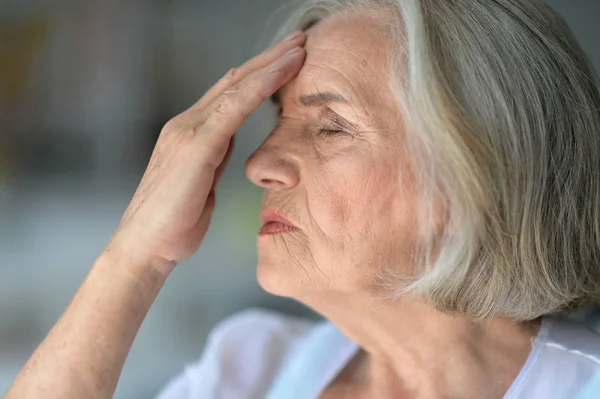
<point x="318" y="99"/>
<point x="314" y="99"/>
<point x="321" y="98"/>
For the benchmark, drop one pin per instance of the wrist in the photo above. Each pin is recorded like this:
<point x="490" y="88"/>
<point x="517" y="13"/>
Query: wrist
<point x="125" y="257"/>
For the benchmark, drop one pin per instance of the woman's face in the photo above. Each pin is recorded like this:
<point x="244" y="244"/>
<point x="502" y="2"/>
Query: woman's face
<point x="334" y="165"/>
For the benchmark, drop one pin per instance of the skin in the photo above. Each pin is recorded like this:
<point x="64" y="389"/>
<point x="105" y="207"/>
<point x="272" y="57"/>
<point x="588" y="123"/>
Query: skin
<point x="351" y="196"/>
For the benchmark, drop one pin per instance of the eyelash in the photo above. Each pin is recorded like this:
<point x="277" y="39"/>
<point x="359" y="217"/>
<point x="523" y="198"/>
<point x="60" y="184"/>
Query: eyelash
<point x="329" y="132"/>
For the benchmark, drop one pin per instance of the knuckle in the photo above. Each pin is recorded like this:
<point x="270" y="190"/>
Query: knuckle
<point x="170" y="126"/>
<point x="227" y="101"/>
<point x="189" y="132"/>
<point x="232" y="91"/>
<point x="233" y="74"/>
<point x="174" y="131"/>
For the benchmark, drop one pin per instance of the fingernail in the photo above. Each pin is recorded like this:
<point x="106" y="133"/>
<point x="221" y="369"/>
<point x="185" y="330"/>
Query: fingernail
<point x="293" y="51"/>
<point x="286" y="56"/>
<point x="292" y="36"/>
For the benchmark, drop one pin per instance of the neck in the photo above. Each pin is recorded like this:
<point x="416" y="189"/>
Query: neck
<point x="409" y="348"/>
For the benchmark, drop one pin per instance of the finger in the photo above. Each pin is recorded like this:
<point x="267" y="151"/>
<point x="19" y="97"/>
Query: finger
<point x="236" y="75"/>
<point x="234" y="105"/>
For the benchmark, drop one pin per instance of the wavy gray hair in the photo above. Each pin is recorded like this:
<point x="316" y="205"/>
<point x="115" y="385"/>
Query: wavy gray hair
<point x="503" y="115"/>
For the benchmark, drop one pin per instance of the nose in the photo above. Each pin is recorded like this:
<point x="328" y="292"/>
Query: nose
<point x="273" y="166"/>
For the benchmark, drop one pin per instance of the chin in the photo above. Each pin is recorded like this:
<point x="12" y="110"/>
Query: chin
<point x="278" y="274"/>
<point x="271" y="277"/>
<point x="281" y="270"/>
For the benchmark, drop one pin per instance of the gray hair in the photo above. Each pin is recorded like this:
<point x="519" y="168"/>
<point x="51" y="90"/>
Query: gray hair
<point x="502" y="115"/>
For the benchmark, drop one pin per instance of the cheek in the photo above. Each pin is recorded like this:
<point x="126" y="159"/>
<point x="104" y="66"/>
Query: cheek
<point x="367" y="209"/>
<point x="357" y="199"/>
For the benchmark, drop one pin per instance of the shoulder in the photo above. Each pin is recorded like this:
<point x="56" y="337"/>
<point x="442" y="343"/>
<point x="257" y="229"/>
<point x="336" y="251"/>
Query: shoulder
<point x="565" y="361"/>
<point x="574" y="342"/>
<point x="242" y="356"/>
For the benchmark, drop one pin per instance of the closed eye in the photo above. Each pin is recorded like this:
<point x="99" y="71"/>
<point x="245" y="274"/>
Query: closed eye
<point x="329" y="132"/>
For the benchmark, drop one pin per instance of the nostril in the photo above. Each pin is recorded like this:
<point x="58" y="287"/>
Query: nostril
<point x="268" y="169"/>
<point x="270" y="182"/>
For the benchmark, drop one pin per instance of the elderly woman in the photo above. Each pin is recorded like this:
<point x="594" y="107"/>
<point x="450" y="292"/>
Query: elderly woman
<point x="432" y="188"/>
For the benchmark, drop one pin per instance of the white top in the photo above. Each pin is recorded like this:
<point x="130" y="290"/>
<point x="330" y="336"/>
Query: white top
<point x="260" y="354"/>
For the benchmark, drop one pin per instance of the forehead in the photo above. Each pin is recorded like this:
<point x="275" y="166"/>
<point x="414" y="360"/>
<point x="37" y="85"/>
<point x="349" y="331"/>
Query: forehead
<point x="345" y="54"/>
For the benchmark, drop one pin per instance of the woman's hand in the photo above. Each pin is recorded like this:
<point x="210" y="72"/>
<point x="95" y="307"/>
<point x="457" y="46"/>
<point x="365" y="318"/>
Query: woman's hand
<point x="170" y="211"/>
<point x="84" y="353"/>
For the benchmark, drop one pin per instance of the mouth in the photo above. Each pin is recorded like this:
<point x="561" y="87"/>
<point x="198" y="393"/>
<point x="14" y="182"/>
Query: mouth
<point x="274" y="222"/>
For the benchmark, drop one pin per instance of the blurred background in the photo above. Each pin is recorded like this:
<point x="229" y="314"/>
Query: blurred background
<point x="85" y="87"/>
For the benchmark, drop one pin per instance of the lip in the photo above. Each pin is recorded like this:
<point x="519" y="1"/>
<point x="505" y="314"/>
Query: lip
<point x="274" y="222"/>
<point x="272" y="215"/>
